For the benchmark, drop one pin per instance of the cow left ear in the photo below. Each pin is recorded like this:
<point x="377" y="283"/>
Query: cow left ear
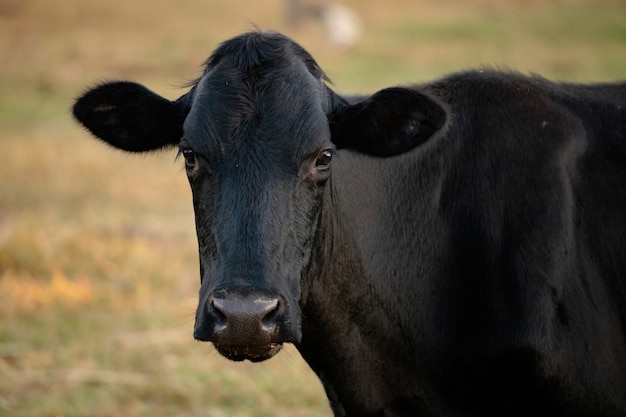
<point x="390" y="122"/>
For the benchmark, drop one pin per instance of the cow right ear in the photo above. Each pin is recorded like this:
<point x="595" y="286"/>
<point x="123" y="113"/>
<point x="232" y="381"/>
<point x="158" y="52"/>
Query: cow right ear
<point x="130" y="117"/>
<point x="390" y="122"/>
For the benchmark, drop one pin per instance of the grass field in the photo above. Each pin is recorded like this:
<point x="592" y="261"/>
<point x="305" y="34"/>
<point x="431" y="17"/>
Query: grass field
<point x="98" y="257"/>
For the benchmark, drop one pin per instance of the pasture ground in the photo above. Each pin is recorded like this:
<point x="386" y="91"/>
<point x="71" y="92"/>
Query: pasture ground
<point x="98" y="256"/>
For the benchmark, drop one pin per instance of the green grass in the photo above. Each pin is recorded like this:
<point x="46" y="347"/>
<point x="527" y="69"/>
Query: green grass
<point x="98" y="256"/>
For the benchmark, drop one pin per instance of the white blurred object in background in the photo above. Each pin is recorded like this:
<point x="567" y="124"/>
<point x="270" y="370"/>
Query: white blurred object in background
<point x="342" y="26"/>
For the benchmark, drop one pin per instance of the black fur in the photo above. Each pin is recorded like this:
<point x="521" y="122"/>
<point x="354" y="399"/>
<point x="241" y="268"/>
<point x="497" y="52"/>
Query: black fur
<point x="130" y="117"/>
<point x="482" y="274"/>
<point x="390" y="122"/>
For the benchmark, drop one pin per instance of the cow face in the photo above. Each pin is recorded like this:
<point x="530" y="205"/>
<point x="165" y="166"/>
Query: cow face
<point x="257" y="133"/>
<point x="257" y="151"/>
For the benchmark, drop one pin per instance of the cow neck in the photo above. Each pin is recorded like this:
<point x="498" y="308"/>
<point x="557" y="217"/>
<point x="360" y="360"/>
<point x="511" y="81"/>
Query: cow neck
<point x="327" y="312"/>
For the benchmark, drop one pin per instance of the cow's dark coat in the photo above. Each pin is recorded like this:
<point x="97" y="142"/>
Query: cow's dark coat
<point x="456" y="248"/>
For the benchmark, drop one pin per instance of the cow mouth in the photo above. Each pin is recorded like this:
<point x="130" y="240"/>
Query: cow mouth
<point x="254" y="353"/>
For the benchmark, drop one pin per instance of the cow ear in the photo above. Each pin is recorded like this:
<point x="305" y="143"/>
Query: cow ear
<point x="129" y="116"/>
<point x="390" y="122"/>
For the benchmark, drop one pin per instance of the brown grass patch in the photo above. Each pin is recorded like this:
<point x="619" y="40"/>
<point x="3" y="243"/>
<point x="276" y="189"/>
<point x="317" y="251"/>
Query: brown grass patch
<point x="26" y="294"/>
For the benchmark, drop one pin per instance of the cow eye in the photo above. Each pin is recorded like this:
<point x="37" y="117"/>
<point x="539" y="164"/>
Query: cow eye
<point x="190" y="158"/>
<point x="323" y="159"/>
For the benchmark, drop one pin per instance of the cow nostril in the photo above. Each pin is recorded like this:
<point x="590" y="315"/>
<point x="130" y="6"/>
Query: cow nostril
<point x="220" y="315"/>
<point x="272" y="313"/>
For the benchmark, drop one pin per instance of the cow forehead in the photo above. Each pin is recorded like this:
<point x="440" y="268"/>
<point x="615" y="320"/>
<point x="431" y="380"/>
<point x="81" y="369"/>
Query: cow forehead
<point x="278" y="105"/>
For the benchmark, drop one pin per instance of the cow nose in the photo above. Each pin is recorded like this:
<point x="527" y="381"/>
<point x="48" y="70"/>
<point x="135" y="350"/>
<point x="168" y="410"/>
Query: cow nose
<point x="241" y="318"/>
<point x="244" y="323"/>
<point x="245" y="315"/>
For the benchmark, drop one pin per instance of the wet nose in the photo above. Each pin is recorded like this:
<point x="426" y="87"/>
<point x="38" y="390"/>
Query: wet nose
<point x="241" y="319"/>
<point x="245" y="316"/>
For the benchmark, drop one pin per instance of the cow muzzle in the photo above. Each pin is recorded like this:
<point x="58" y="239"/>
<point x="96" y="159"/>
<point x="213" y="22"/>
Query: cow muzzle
<point x="245" y="324"/>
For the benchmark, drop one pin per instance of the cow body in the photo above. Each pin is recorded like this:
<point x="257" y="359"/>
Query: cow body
<point x="448" y="249"/>
<point x="484" y="273"/>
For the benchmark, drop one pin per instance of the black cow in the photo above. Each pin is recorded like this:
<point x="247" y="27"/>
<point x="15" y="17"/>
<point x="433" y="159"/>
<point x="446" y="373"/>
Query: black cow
<point x="456" y="248"/>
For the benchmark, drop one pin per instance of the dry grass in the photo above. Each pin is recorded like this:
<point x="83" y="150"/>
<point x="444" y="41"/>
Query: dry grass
<point x="98" y="258"/>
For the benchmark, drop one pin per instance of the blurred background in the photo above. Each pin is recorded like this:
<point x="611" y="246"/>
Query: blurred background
<point x="98" y="255"/>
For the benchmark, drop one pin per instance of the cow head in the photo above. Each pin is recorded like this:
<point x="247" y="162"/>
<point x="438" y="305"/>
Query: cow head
<point x="257" y="133"/>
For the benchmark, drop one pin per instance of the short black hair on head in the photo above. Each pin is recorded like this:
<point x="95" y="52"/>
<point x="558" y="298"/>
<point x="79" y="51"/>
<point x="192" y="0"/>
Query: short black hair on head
<point x="255" y="48"/>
